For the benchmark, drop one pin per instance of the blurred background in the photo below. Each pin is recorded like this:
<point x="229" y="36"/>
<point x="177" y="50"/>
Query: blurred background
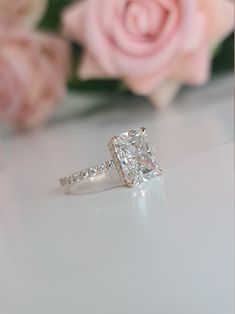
<point x="223" y="54"/>
<point x="72" y="75"/>
<point x="71" y="43"/>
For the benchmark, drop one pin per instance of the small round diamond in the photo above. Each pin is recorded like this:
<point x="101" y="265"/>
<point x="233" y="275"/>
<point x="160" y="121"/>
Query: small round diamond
<point x="101" y="168"/>
<point x="71" y="180"/>
<point x="92" y="172"/>
<point x="75" y="177"/>
<point x="84" y="174"/>
<point x="80" y="175"/>
<point x="109" y="164"/>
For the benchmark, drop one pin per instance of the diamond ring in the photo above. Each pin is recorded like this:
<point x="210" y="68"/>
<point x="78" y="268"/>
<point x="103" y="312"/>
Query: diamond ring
<point x="132" y="157"/>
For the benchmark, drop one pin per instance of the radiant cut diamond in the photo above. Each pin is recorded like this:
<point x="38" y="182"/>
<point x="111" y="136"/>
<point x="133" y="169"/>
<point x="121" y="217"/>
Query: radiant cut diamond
<point x="134" y="158"/>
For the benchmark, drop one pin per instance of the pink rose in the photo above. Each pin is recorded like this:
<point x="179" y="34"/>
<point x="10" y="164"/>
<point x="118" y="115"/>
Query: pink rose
<point x="33" y="72"/>
<point x="153" y="45"/>
<point x="26" y="12"/>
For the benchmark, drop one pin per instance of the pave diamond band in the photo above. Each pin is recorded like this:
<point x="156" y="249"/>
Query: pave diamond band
<point x="88" y="173"/>
<point x="132" y="156"/>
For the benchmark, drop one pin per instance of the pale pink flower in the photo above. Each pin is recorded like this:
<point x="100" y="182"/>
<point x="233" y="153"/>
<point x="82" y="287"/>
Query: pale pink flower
<point x="153" y="45"/>
<point x="22" y="12"/>
<point x="33" y="72"/>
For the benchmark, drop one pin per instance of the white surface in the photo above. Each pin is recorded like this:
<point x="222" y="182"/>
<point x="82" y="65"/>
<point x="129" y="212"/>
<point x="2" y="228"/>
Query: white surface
<point x="164" y="248"/>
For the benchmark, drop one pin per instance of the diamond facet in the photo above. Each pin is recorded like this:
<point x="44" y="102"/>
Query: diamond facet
<point x="134" y="158"/>
<point x="92" y="172"/>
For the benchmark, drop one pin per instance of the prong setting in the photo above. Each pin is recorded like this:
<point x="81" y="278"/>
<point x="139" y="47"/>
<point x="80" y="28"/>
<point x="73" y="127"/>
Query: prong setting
<point x="143" y="130"/>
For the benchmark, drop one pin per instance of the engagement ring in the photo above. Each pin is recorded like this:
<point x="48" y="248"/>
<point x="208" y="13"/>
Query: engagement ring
<point x="132" y="156"/>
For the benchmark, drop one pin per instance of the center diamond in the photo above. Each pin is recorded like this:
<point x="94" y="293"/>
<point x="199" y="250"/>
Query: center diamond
<point x="134" y="158"/>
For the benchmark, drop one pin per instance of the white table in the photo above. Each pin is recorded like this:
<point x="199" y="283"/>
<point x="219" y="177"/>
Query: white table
<point x="163" y="248"/>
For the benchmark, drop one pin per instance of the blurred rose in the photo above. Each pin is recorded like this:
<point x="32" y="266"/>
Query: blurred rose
<point x="26" y="12"/>
<point x="153" y="45"/>
<point x="33" y="72"/>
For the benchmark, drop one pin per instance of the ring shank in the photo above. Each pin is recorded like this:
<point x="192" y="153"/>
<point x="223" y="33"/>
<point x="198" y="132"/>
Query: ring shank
<point x="88" y="173"/>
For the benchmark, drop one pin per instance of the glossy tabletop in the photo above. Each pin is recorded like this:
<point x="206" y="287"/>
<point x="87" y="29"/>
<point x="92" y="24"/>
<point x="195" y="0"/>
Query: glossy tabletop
<point x="165" y="247"/>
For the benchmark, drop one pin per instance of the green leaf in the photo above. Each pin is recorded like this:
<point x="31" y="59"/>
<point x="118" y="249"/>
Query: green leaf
<point x="224" y="57"/>
<point x="52" y="18"/>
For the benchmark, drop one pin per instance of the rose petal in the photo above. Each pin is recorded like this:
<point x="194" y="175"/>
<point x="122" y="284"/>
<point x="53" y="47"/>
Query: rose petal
<point x="194" y="69"/>
<point x="164" y="94"/>
<point x="144" y="85"/>
<point x="96" y="40"/>
<point x="35" y="65"/>
<point x="89" y="68"/>
<point x="219" y="16"/>
<point x="24" y="12"/>
<point x="73" y="21"/>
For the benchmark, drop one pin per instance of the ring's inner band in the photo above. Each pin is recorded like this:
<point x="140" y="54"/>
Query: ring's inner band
<point x="88" y="173"/>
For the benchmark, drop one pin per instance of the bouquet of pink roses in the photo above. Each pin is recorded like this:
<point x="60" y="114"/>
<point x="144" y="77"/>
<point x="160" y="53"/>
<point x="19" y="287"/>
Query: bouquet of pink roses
<point x="154" y="46"/>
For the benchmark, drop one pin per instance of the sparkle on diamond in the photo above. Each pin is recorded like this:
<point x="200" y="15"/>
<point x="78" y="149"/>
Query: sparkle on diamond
<point x="136" y="158"/>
